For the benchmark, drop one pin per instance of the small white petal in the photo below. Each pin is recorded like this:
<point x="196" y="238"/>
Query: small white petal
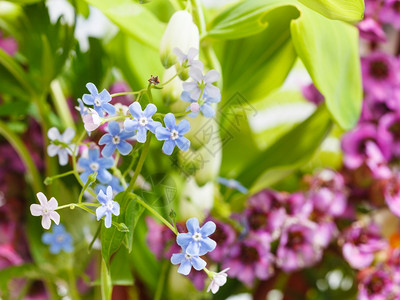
<point x="54" y="134"/>
<point x="52" y="150"/>
<point x="46" y="222"/>
<point x="55" y="217"/>
<point x="63" y="157"/>
<point x="42" y="199"/>
<point x="36" y="210"/>
<point x="52" y="204"/>
<point x="68" y="135"/>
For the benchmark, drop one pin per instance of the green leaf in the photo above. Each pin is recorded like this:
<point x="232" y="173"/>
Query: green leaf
<point x="106" y="284"/>
<point x="290" y="151"/>
<point x="15" y="108"/>
<point x="132" y="214"/>
<point x="26" y="271"/>
<point x="345" y="10"/>
<point x="120" y="268"/>
<point x="329" y="50"/>
<point x="134" y="19"/>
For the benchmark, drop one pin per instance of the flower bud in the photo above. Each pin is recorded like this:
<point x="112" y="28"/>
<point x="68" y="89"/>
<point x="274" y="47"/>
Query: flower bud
<point x="91" y="120"/>
<point x="181" y="33"/>
<point x="171" y="92"/>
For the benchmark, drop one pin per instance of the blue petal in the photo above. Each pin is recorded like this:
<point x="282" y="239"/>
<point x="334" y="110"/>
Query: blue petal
<point x="150" y="110"/>
<point x="68" y="247"/>
<point x="58" y="229"/>
<point x="136" y="110"/>
<point x="104" y="176"/>
<point x="47" y="238"/>
<point x="162" y="133"/>
<point x="141" y="134"/>
<point x="152" y="125"/>
<point x="124" y="148"/>
<point x="213" y="100"/>
<point x="109" y="108"/>
<point x="212" y="91"/>
<point x="92" y="89"/>
<point x="99" y="110"/>
<point x="94" y="154"/>
<point x="100" y="212"/>
<point x="168" y="147"/>
<point x="207" y="110"/>
<point x="207" y="245"/>
<point x="105" y="163"/>
<point x="88" y="99"/>
<point x="177" y="258"/>
<point x="183" y="239"/>
<point x="125" y="135"/>
<point x="185" y="96"/>
<point x="113" y="128"/>
<point x="108" y="220"/>
<point x="193" y="225"/>
<point x="169" y="121"/>
<point x="198" y="263"/>
<point x="182" y="143"/>
<point x="208" y="228"/>
<point x="185" y="267"/>
<point x="183" y="126"/>
<point x="108" y="150"/>
<point x="55" y="248"/>
<point x="105" y="139"/>
<point x="105" y="96"/>
<point x="84" y="176"/>
<point x="115" y="210"/>
<point x="131" y="125"/>
<point x="102" y="197"/>
<point x="194" y="249"/>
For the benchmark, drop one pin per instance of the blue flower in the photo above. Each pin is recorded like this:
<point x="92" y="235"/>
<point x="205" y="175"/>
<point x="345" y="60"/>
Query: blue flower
<point x="108" y="206"/>
<point x="142" y="120"/>
<point x="172" y="134"/>
<point x="202" y="83"/>
<point x="233" y="184"/>
<point x="187" y="261"/>
<point x="115" y="185"/>
<point x="196" y="241"/>
<point x="96" y="164"/>
<point x="115" y="139"/>
<point x="204" y="103"/>
<point x="58" y="240"/>
<point x="99" y="101"/>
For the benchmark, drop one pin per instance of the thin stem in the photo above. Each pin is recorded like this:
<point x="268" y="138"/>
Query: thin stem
<point x="200" y="16"/>
<point x="60" y="104"/>
<point x="60" y="175"/>
<point x="95" y="236"/>
<point x="162" y="280"/>
<point x="88" y="182"/>
<point x="149" y="93"/>
<point x="154" y="212"/>
<point x="168" y="81"/>
<point x="126" y="93"/>
<point x="72" y="285"/>
<point x="23" y="153"/>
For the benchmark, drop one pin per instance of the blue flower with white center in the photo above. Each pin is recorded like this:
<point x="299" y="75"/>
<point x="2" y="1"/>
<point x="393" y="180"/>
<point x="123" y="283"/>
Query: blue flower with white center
<point x="96" y="164"/>
<point x="202" y="83"/>
<point x="108" y="207"/>
<point x="187" y="261"/>
<point x="233" y="184"/>
<point x="115" y="139"/>
<point x="58" y="239"/>
<point x="142" y="121"/>
<point x="60" y="148"/>
<point x="204" y="104"/>
<point x="99" y="101"/>
<point x="173" y="133"/>
<point x="115" y="185"/>
<point x="196" y="241"/>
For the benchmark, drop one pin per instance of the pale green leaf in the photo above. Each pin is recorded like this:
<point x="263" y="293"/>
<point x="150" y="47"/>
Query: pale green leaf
<point x="345" y="10"/>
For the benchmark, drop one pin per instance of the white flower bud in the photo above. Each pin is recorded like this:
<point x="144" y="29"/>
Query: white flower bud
<point x="180" y="33"/>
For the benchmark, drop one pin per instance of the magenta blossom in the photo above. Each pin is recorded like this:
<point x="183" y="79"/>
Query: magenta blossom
<point x="376" y="161"/>
<point x="379" y="72"/>
<point x="371" y="30"/>
<point x="389" y="133"/>
<point x="376" y="284"/>
<point x="360" y="243"/>
<point x="250" y="259"/>
<point x="8" y="44"/>
<point x="298" y="247"/>
<point x="224" y="236"/>
<point x="312" y="94"/>
<point x="392" y="194"/>
<point x="390" y="13"/>
<point x="160" y="239"/>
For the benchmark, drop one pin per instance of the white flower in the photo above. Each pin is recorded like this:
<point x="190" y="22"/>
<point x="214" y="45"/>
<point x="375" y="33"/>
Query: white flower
<point x="91" y="120"/>
<point x="180" y="33"/>
<point x="218" y="279"/>
<point x="60" y="150"/>
<point x="46" y="210"/>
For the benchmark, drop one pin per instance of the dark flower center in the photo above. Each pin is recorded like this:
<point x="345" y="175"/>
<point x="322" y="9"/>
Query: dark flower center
<point x="248" y="254"/>
<point x="395" y="129"/>
<point x="257" y="220"/>
<point x="379" y="69"/>
<point x="219" y="235"/>
<point x="295" y="239"/>
<point x="376" y="285"/>
<point x="396" y="6"/>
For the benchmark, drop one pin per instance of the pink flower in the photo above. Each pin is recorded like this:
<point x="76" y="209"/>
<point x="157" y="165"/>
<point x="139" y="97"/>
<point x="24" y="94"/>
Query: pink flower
<point x="392" y="194"/>
<point x="371" y="30"/>
<point x="390" y="13"/>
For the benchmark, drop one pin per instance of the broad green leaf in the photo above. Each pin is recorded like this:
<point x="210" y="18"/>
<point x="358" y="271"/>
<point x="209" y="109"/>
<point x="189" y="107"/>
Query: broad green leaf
<point x="120" y="268"/>
<point x="291" y="150"/>
<point x="345" y="10"/>
<point x="329" y="50"/>
<point x="134" y="19"/>
<point x="132" y="215"/>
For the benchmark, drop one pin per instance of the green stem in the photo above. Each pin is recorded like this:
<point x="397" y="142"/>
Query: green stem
<point x="60" y="104"/>
<point x="60" y="175"/>
<point x="168" y="81"/>
<point x="139" y="166"/>
<point x="23" y="153"/>
<point x="127" y="93"/>
<point x="72" y="285"/>
<point x="149" y="93"/>
<point x="88" y="182"/>
<point x="95" y="236"/>
<point x="154" y="212"/>
<point x="200" y="16"/>
<point x="162" y="280"/>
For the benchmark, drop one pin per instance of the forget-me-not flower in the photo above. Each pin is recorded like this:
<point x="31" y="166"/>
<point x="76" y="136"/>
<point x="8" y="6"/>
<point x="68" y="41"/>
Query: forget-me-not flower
<point x="204" y="104"/>
<point x="108" y="206"/>
<point x="100" y="101"/>
<point x="94" y="163"/>
<point x="61" y="149"/>
<point x="142" y="121"/>
<point x="114" y="183"/>
<point x="173" y="133"/>
<point x="46" y="209"/>
<point x="196" y="241"/>
<point x="115" y="139"/>
<point x="58" y="239"/>
<point x="202" y="83"/>
<point x="187" y="261"/>
<point x="233" y="184"/>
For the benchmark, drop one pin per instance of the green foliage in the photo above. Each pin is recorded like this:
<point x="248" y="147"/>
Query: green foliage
<point x="345" y="10"/>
